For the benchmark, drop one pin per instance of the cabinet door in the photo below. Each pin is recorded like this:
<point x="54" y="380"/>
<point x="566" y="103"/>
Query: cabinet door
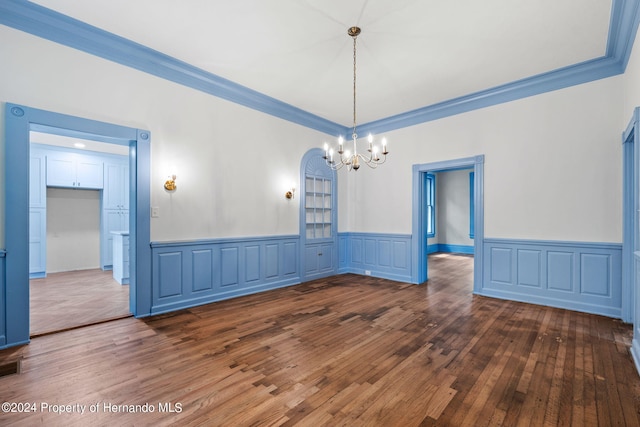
<point x="37" y="241"/>
<point x="61" y="171"/>
<point x="116" y="186"/>
<point x="325" y="257"/>
<point x="112" y="222"/>
<point x="89" y="173"/>
<point x="311" y="260"/>
<point x="37" y="181"/>
<point x="112" y="186"/>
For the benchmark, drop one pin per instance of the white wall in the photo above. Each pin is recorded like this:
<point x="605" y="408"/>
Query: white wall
<point x="552" y="167"/>
<point x="73" y="229"/>
<point x="233" y="164"/>
<point x="452" y="206"/>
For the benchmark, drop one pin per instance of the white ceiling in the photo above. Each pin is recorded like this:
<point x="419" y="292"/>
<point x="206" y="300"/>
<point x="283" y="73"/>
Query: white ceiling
<point x="71" y="142"/>
<point x="411" y="53"/>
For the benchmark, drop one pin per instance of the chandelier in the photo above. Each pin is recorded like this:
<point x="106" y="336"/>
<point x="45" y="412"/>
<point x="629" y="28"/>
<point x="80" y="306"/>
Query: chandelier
<point x="345" y="157"/>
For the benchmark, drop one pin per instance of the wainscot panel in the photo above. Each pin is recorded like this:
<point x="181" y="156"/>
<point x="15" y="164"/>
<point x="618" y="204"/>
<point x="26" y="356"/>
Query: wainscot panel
<point x="186" y="274"/>
<point x="3" y="326"/>
<point x="580" y="276"/>
<point x="380" y="255"/>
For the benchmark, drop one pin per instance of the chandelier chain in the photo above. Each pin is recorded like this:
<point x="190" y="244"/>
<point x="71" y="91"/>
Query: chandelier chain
<point x="354" y="86"/>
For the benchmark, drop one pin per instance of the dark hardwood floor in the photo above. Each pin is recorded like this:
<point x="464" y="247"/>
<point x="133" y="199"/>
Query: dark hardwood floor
<point x="344" y="351"/>
<point x="71" y="299"/>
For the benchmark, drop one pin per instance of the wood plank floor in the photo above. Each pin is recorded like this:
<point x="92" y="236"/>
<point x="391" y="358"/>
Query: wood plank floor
<point x="75" y="298"/>
<point x="343" y="351"/>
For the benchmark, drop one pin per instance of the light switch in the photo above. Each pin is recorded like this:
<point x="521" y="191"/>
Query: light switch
<point x="155" y="212"/>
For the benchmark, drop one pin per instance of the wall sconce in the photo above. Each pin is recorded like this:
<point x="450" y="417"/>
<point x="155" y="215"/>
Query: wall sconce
<point x="289" y="194"/>
<point x="170" y="183"/>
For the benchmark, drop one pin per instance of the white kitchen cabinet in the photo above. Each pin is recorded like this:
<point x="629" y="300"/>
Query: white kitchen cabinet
<point x="113" y="220"/>
<point x="72" y="170"/>
<point x="121" y="257"/>
<point x="116" y="186"/>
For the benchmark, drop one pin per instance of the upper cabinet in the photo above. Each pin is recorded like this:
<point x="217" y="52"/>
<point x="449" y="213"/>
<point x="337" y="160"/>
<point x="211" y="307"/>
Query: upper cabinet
<point x="73" y="170"/>
<point x="37" y="179"/>
<point x="116" y="185"/>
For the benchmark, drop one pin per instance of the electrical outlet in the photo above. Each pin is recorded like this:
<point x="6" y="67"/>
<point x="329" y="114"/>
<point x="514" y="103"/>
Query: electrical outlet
<point x="155" y="212"/>
<point x="367" y="272"/>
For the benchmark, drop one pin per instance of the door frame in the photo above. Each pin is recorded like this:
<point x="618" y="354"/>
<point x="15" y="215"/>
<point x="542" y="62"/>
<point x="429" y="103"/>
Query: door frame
<point x="19" y="121"/>
<point x="630" y="214"/>
<point x="419" y="267"/>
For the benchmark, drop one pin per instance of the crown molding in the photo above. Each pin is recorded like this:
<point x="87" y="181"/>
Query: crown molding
<point x="558" y="79"/>
<point x="54" y="26"/>
<point x="48" y="24"/>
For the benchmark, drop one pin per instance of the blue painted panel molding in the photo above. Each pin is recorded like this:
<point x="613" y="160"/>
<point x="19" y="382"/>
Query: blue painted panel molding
<point x="190" y="273"/>
<point x="445" y="248"/>
<point x="59" y="28"/>
<point x="383" y="255"/>
<point x="578" y="276"/>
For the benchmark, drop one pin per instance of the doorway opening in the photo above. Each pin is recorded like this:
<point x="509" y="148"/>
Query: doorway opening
<point x="73" y="184"/>
<point x="19" y="122"/>
<point x="424" y="213"/>
<point x="450" y="226"/>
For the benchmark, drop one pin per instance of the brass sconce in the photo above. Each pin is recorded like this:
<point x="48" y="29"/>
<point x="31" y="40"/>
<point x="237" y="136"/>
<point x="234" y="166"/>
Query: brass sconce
<point x="170" y="183"/>
<point x="289" y="194"/>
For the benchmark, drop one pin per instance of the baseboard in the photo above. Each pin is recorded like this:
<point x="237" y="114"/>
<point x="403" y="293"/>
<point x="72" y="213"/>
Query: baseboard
<point x="194" y="302"/>
<point x="377" y="274"/>
<point x="450" y="249"/>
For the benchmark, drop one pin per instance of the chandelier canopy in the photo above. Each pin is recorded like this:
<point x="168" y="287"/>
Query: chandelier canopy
<point x="345" y="157"/>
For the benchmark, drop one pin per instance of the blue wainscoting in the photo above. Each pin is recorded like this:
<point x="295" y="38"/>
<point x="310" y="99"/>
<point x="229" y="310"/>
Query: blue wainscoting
<point x="382" y="255"/>
<point x="3" y="326"/>
<point x="579" y="276"/>
<point x="186" y="274"/>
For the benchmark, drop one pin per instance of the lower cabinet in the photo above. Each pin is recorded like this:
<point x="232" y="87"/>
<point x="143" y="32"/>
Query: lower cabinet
<point x="113" y="220"/>
<point x="37" y="242"/>
<point x="121" y="257"/>
<point x="319" y="260"/>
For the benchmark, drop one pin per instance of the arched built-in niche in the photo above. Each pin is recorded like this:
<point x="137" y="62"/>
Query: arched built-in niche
<point x="318" y="217"/>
